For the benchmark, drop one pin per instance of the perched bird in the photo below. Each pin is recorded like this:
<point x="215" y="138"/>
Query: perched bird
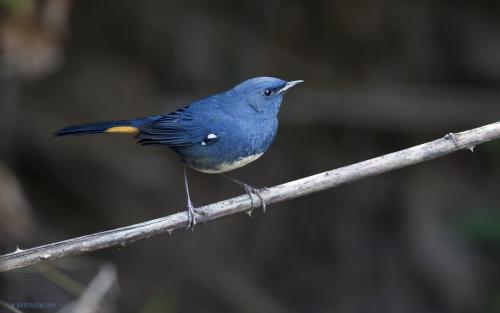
<point x="215" y="134"/>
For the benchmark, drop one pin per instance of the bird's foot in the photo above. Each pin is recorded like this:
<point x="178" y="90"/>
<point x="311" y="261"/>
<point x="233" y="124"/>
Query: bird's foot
<point x="256" y="191"/>
<point x="453" y="138"/>
<point x="192" y="212"/>
<point x="250" y="190"/>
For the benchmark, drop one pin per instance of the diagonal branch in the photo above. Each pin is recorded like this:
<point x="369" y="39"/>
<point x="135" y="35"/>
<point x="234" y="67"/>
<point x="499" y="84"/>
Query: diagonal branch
<point x="294" y="189"/>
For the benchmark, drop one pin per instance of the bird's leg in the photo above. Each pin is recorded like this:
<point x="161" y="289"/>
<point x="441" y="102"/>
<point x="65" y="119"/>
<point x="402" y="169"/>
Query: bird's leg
<point x="191" y="210"/>
<point x="249" y="190"/>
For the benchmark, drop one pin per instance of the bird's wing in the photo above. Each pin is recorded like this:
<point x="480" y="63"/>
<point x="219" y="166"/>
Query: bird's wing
<point x="178" y="128"/>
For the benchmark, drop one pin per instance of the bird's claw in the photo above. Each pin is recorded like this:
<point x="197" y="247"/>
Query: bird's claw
<point x="251" y="190"/>
<point x="453" y="138"/>
<point x="192" y="212"/>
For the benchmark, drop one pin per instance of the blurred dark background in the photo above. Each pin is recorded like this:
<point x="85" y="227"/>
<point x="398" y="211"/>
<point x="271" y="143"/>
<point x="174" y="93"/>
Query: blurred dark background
<point x="380" y="76"/>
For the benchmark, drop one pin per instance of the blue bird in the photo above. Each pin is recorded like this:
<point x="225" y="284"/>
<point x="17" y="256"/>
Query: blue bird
<point x="215" y="134"/>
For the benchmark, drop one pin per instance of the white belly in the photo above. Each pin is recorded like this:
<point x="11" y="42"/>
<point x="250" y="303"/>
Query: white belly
<point x="226" y="167"/>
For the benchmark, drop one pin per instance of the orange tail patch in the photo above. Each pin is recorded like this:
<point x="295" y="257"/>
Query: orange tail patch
<point x="122" y="130"/>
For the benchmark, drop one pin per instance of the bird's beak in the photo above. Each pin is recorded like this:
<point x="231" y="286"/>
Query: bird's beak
<point x="289" y="85"/>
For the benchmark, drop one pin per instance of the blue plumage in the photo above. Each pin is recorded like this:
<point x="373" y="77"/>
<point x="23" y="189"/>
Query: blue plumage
<point x="215" y="134"/>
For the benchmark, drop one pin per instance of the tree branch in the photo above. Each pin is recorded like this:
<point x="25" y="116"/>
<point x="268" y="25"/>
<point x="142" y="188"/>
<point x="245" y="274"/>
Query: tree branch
<point x="294" y="189"/>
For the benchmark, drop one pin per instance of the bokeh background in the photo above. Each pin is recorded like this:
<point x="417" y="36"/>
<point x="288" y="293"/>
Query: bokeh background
<point x="380" y="76"/>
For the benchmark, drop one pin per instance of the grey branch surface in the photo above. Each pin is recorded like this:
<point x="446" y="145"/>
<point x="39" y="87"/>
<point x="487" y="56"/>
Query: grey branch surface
<point x="294" y="189"/>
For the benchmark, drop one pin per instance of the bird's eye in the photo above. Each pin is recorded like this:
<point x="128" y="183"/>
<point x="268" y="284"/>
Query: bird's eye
<point x="268" y="92"/>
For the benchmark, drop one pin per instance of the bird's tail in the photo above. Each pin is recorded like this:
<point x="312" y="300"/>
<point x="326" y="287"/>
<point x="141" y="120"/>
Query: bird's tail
<point x="124" y="127"/>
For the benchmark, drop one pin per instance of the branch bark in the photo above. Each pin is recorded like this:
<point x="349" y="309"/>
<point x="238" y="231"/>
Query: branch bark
<point x="294" y="189"/>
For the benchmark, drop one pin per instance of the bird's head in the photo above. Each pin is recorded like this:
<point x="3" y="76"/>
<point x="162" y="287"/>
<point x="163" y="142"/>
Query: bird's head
<point x="263" y="94"/>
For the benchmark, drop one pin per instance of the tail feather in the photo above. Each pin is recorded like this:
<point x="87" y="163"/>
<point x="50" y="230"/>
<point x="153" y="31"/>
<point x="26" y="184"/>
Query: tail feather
<point x="125" y="126"/>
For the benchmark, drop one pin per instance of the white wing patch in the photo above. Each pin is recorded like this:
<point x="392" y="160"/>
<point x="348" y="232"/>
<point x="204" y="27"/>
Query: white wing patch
<point x="209" y="137"/>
